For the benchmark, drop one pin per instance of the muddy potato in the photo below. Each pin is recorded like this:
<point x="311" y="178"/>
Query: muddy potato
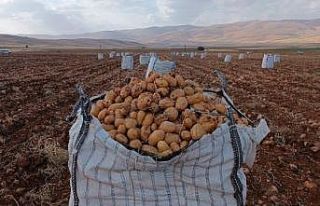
<point x="159" y="118"/>
<point x="167" y="126"/>
<point x="221" y="108"/>
<point x="128" y="100"/>
<point x="130" y="123"/>
<point x="171" y="80"/>
<point x="184" y="144"/>
<point x="200" y="106"/>
<point x="95" y="110"/>
<point x="172" y="113"/>
<point x="149" y="149"/>
<point x="154" y="126"/>
<point x="179" y="128"/>
<point x="189" y="91"/>
<point x="108" y="127"/>
<point x="144" y="101"/>
<point x="165" y="153"/>
<point x="145" y="133"/>
<point x="196" y="98"/>
<point x="197" y="131"/>
<point x="192" y="83"/>
<point x="188" y="123"/>
<point x="156" y="97"/>
<point x="163" y="91"/>
<point x="140" y="116"/>
<point x="177" y="93"/>
<point x="125" y="91"/>
<point x="117" y="106"/>
<point x="162" y="146"/>
<point x="198" y="90"/>
<point x="118" y="99"/>
<point x="166" y="103"/>
<point x="100" y="104"/>
<point x="162" y="83"/>
<point x="118" y="121"/>
<point x="172" y="137"/>
<point x="111" y="95"/>
<point x="109" y="119"/>
<point x="113" y="133"/>
<point x="189" y="114"/>
<point x="148" y="119"/>
<point x="152" y="77"/>
<point x="134" y="105"/>
<point x="209" y="127"/>
<point x="135" y="144"/>
<point x="186" y="135"/>
<point x="122" y="139"/>
<point x="174" y="147"/>
<point x="154" y="107"/>
<point x="155" y="137"/>
<point x="181" y="103"/>
<point x="133" y="133"/>
<point x="136" y="90"/>
<point x="133" y="115"/>
<point x="122" y="129"/>
<point x="151" y="87"/>
<point x="102" y="114"/>
<point x="180" y="81"/>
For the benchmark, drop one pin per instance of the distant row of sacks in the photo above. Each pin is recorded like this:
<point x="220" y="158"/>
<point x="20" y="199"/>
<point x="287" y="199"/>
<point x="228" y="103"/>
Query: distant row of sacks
<point x="190" y="54"/>
<point x="269" y="60"/>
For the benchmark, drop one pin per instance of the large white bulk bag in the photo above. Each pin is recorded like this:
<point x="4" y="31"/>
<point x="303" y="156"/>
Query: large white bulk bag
<point x="241" y="56"/>
<point x="111" y="54"/>
<point x="228" y="58"/>
<point x="276" y="58"/>
<point x="267" y="61"/>
<point x="100" y="56"/>
<point x="127" y="62"/>
<point x="191" y="54"/>
<point x="144" y="59"/>
<point x="208" y="172"/>
<point x="203" y="55"/>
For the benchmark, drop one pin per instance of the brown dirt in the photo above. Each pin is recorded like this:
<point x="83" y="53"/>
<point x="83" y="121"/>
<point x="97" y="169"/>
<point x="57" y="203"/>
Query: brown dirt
<point x="37" y="91"/>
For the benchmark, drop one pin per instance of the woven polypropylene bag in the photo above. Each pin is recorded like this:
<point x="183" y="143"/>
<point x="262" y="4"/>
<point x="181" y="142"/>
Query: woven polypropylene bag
<point x="107" y="173"/>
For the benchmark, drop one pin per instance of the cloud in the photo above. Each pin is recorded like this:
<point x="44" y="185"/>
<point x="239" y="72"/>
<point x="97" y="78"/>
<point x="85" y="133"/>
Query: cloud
<point x="79" y="16"/>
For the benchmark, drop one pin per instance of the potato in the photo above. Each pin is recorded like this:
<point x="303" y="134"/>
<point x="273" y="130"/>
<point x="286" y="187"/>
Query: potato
<point x="174" y="147"/>
<point x="113" y="133"/>
<point x="189" y="114"/>
<point x="191" y="83"/>
<point x="206" y="118"/>
<point x="186" y="135"/>
<point x="125" y="91"/>
<point x="134" y="105"/>
<point x="122" y="129"/>
<point x="149" y="149"/>
<point x="122" y="139"/>
<point x="151" y="87"/>
<point x="119" y="113"/>
<point x="130" y="123"/>
<point x="107" y="103"/>
<point x="163" y="91"/>
<point x="162" y="83"/>
<point x="143" y="85"/>
<point x="133" y="133"/>
<point x="198" y="90"/>
<point x="171" y="81"/>
<point x="155" y="137"/>
<point x="117" y="106"/>
<point x="172" y="113"/>
<point x="133" y="115"/>
<point x="136" y="90"/>
<point x="209" y="127"/>
<point x="166" y="103"/>
<point x="196" y="98"/>
<point x="197" y="131"/>
<point x="109" y="119"/>
<point x="152" y="77"/>
<point x="102" y="114"/>
<point x="179" y="128"/>
<point x="111" y="96"/>
<point x="188" y="123"/>
<point x="200" y="106"/>
<point x="160" y="118"/>
<point x="118" y="99"/>
<point x="154" y="107"/>
<point x="140" y="116"/>
<point x="135" y="144"/>
<point x="95" y="110"/>
<point x="167" y="126"/>
<point x="148" y="119"/>
<point x="144" y="101"/>
<point x="118" y="122"/>
<point x="184" y="144"/>
<point x="221" y="108"/>
<point x="189" y="91"/>
<point x="180" y="81"/>
<point x="156" y="97"/>
<point x="145" y="133"/>
<point x="100" y="104"/>
<point x="172" y="137"/>
<point x="108" y="127"/>
<point x="181" y="103"/>
<point x="154" y="126"/>
<point x="128" y="100"/>
<point x="162" y="146"/>
<point x="177" y="93"/>
<point x="165" y="153"/>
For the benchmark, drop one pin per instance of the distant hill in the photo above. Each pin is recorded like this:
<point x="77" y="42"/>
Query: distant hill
<point x="282" y="32"/>
<point x="19" y="41"/>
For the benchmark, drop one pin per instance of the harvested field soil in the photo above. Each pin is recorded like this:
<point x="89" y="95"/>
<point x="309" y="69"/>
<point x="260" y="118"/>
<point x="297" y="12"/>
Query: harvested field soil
<point x="37" y="92"/>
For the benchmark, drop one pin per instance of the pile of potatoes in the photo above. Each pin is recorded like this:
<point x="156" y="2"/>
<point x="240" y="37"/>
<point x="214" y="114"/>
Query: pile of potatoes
<point x="159" y="115"/>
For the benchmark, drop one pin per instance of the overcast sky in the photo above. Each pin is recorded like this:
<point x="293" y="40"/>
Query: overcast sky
<point x="79" y="16"/>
